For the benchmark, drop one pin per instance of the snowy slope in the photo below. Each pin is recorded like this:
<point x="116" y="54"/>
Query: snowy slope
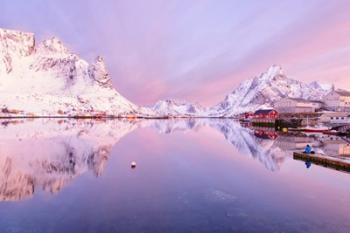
<point x="49" y="80"/>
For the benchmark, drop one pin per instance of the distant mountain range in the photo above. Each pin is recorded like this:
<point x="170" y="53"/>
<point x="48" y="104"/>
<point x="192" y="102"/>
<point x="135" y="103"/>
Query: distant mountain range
<point x="46" y="79"/>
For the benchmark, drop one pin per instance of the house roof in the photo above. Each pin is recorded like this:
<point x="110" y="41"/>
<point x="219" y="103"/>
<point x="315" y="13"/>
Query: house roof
<point x="343" y="92"/>
<point x="264" y="111"/>
<point x="335" y="114"/>
<point x="306" y="101"/>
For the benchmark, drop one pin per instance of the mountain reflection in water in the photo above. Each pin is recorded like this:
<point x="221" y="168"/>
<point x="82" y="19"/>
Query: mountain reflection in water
<point x="47" y="154"/>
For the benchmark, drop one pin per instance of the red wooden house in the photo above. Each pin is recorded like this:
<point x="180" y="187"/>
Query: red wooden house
<point x="266" y="134"/>
<point x="265" y="115"/>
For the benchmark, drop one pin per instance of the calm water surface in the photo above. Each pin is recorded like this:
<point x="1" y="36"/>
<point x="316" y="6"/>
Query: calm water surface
<point x="191" y="176"/>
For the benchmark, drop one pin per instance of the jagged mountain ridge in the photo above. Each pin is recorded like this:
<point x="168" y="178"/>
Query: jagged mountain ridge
<point x="46" y="79"/>
<point x="174" y="108"/>
<point x="264" y="90"/>
<point x="260" y="92"/>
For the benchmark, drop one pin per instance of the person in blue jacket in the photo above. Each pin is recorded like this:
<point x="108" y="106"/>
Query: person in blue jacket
<point x="308" y="164"/>
<point x="308" y="149"/>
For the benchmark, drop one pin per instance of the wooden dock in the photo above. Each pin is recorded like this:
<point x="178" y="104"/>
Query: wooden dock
<point x="324" y="160"/>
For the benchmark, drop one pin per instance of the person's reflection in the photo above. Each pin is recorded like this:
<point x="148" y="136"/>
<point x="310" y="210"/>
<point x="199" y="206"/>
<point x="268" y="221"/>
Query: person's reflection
<point x="308" y="164"/>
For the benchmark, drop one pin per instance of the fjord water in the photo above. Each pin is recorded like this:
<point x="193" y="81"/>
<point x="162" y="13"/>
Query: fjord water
<point x="191" y="176"/>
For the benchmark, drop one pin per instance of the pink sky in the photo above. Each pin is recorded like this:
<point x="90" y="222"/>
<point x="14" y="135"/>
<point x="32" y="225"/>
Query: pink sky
<point x="195" y="50"/>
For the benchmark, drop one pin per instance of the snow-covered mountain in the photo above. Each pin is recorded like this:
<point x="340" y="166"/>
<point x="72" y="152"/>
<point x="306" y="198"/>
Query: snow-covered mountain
<point x="264" y="90"/>
<point x="47" y="79"/>
<point x="175" y="108"/>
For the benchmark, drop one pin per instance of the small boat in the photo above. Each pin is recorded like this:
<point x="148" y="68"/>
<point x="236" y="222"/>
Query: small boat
<point x="316" y="129"/>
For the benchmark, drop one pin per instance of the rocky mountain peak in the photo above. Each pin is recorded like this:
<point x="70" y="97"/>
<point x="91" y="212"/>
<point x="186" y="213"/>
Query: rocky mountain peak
<point x="99" y="73"/>
<point x="49" y="80"/>
<point x="53" y="45"/>
<point x="323" y="86"/>
<point x="274" y="70"/>
<point x="170" y="107"/>
<point x="273" y="73"/>
<point x="16" y="43"/>
<point x="264" y="90"/>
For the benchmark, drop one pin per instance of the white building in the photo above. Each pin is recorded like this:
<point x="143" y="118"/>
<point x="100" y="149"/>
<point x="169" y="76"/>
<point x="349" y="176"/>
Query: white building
<point x="338" y="100"/>
<point x="296" y="105"/>
<point x="336" y="146"/>
<point x="335" y="118"/>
